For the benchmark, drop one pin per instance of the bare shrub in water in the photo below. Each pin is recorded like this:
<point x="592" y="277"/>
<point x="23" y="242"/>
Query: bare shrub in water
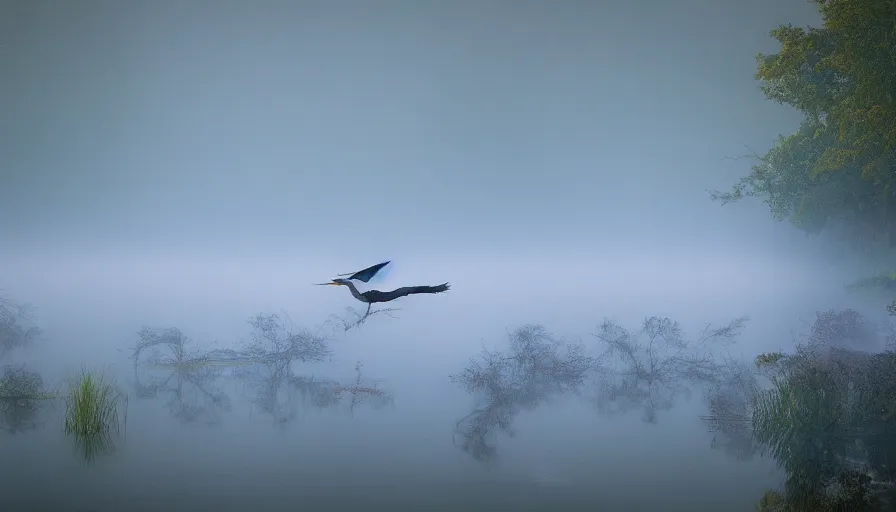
<point x="173" y="339"/>
<point x="650" y="367"/>
<point x="535" y="367"/>
<point x="14" y="332"/>
<point x="22" y="397"/>
<point x="273" y="340"/>
<point x="190" y="375"/>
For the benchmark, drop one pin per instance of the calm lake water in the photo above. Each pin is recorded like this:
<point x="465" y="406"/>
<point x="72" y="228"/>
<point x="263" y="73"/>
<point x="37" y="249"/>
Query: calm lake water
<point x="563" y="457"/>
<point x="184" y="452"/>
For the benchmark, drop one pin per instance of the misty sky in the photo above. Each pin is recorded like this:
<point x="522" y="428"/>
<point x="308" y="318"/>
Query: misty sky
<point x="293" y="128"/>
<point x="190" y="163"/>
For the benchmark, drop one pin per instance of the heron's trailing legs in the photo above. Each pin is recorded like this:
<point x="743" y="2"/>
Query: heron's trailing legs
<point x="347" y="322"/>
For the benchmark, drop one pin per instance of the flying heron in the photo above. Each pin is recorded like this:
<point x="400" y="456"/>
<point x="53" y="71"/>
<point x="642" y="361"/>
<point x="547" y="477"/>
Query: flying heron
<point x="366" y="274"/>
<point x="374" y="296"/>
<point x="371" y="297"/>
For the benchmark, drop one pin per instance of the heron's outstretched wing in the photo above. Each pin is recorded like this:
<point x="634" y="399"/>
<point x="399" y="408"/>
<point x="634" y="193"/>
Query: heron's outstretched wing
<point x="378" y="296"/>
<point x="366" y="274"/>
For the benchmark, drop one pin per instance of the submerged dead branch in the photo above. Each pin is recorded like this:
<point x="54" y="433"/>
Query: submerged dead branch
<point x="281" y="394"/>
<point x="188" y="379"/>
<point x="361" y="393"/>
<point x="192" y="392"/>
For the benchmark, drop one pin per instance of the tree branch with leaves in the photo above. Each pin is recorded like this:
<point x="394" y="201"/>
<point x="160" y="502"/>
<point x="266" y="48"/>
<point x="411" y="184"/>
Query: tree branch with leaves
<point x="836" y="171"/>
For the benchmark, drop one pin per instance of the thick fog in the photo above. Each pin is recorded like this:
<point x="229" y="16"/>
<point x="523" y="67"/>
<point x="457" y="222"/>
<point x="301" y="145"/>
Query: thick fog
<point x="307" y="130"/>
<point x="194" y="164"/>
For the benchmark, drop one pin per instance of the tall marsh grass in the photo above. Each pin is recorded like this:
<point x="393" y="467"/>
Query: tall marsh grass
<point x="92" y="415"/>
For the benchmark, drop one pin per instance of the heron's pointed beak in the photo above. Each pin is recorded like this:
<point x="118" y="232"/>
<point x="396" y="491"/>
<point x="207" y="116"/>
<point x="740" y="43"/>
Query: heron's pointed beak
<point x="326" y="284"/>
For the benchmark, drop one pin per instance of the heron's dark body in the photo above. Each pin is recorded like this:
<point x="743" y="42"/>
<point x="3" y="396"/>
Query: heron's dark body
<point x="373" y="296"/>
<point x="368" y="273"/>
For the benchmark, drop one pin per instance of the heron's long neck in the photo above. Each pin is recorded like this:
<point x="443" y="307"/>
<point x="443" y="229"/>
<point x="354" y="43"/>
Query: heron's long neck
<point x="355" y="293"/>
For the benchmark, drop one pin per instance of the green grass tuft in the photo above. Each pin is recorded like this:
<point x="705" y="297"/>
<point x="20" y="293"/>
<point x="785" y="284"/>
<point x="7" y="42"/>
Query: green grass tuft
<point x="92" y="413"/>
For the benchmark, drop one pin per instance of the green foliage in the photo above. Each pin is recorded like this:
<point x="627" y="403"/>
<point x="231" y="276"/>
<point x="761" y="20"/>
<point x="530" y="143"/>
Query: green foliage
<point x="881" y="281"/>
<point x="91" y="414"/>
<point x="772" y="501"/>
<point x="829" y="418"/>
<point x="839" y="166"/>
<point x="813" y="422"/>
<point x="768" y="359"/>
<point x="841" y="329"/>
<point x="852" y="494"/>
<point x="797" y="421"/>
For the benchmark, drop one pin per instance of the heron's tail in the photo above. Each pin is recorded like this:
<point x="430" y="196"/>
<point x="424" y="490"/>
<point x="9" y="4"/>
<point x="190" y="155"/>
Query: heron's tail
<point x="444" y="287"/>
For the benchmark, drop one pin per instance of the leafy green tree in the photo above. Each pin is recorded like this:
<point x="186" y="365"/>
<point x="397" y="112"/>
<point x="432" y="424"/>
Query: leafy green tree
<point x="839" y="168"/>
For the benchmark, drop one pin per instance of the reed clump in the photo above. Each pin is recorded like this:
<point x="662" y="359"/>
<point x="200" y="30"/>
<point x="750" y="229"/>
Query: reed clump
<point x="92" y="412"/>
